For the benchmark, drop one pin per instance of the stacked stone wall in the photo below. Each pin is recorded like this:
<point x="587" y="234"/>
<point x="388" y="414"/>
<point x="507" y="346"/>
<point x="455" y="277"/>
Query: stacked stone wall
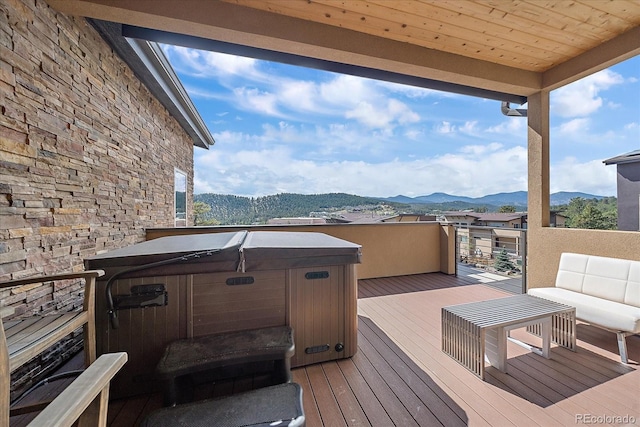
<point x="87" y="154"/>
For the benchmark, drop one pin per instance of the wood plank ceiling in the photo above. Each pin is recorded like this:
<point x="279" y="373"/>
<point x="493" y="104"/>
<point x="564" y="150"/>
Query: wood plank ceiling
<point x="533" y="35"/>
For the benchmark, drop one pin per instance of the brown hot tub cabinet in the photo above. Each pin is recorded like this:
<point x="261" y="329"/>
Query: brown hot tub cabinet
<point x="188" y="286"/>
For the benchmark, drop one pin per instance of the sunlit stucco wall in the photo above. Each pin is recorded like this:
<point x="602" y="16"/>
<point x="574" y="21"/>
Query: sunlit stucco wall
<point x="388" y="249"/>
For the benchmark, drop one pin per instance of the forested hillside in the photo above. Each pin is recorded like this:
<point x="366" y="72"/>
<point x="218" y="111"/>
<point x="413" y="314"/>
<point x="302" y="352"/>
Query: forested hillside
<point x="224" y="209"/>
<point x="229" y="210"/>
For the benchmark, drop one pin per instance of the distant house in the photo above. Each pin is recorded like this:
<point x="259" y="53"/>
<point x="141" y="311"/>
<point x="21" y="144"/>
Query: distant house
<point x="351" y="218"/>
<point x="557" y="219"/>
<point x="491" y="219"/>
<point x="502" y="232"/>
<point x="409" y="218"/>
<point x="298" y="221"/>
<point x="463" y="218"/>
<point x="628" y="166"/>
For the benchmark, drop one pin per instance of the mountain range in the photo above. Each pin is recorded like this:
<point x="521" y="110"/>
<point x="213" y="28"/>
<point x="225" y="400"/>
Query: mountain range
<point x="516" y="198"/>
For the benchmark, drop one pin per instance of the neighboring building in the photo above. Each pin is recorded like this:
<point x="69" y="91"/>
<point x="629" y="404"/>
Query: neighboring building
<point x="628" y="166"/>
<point x="351" y="218"/>
<point x="491" y="219"/>
<point x="483" y="235"/>
<point x="297" y="221"/>
<point x="409" y="218"/>
<point x="557" y="220"/>
<point x="462" y="218"/>
<point x="497" y="219"/>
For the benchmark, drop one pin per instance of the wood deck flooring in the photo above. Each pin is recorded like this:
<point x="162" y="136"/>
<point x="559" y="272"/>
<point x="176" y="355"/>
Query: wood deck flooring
<point x="400" y="376"/>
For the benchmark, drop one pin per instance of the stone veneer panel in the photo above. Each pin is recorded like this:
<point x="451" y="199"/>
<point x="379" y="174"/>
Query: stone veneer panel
<point x="87" y="154"/>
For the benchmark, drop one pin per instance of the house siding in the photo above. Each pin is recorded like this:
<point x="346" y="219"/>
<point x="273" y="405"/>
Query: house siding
<point x="87" y="154"/>
<point x="629" y="196"/>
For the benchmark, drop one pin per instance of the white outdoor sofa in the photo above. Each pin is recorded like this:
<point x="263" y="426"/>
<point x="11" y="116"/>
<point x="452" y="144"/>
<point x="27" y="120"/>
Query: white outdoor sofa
<point x="605" y="292"/>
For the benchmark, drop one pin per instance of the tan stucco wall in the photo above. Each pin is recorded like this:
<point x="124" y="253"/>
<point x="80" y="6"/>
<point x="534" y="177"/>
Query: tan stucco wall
<point x="447" y="249"/>
<point x="388" y="249"/>
<point x="546" y="245"/>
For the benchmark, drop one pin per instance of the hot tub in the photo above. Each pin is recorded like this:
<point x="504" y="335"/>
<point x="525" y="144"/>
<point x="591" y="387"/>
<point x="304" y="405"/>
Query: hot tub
<point x="193" y="285"/>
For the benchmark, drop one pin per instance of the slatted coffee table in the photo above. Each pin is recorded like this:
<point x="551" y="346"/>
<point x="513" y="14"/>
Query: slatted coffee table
<point x="473" y="331"/>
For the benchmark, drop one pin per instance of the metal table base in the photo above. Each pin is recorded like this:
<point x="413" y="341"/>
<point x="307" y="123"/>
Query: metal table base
<point x="475" y="331"/>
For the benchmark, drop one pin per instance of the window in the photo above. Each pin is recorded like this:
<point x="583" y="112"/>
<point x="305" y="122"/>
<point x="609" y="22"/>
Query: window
<point x="180" y="198"/>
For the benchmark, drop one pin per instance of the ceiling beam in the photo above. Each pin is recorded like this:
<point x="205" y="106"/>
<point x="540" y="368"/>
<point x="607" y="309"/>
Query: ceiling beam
<point x="609" y="53"/>
<point x="242" y="26"/>
<point x="335" y="67"/>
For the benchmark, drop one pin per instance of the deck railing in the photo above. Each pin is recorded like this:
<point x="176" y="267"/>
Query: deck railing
<point x="497" y="249"/>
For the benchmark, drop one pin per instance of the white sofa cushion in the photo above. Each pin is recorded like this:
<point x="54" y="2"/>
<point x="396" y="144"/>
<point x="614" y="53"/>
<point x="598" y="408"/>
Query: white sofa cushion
<point x="612" y="279"/>
<point x="632" y="296"/>
<point x="601" y="312"/>
<point x="571" y="271"/>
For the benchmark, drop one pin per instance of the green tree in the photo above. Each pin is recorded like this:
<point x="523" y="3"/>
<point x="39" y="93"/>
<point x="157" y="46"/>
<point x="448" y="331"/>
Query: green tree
<point x="507" y="209"/>
<point x="503" y="263"/>
<point x="591" y="217"/>
<point x="481" y="209"/>
<point x="200" y="211"/>
<point x="591" y="213"/>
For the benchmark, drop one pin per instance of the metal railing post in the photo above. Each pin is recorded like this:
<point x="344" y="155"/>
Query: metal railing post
<point x="523" y="240"/>
<point x="456" y="250"/>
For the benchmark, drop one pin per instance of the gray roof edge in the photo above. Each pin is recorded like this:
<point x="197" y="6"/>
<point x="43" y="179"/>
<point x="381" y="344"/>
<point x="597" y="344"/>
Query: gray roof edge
<point x="631" y="157"/>
<point x="151" y="66"/>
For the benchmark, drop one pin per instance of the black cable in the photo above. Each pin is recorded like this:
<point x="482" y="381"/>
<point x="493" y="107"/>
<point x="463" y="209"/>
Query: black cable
<point x="110" y="304"/>
<point x="47" y="381"/>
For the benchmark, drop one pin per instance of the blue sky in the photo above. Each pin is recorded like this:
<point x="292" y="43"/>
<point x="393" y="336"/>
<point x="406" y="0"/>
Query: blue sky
<point x="286" y="129"/>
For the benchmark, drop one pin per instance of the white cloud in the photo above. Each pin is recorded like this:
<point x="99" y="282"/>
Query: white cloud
<point x="382" y="116"/>
<point x="252" y="165"/>
<point x="300" y="95"/>
<point x="468" y="128"/>
<point x="341" y="96"/>
<point x="511" y="125"/>
<point x="400" y="111"/>
<point x="474" y="171"/>
<point x="252" y="99"/>
<point x="347" y="91"/>
<point x="575" y="126"/>
<point x="582" y="98"/>
<point x="414" y="134"/>
<point x="593" y="177"/>
<point x="479" y="150"/>
<point x="206" y="64"/>
<point x="445" y="128"/>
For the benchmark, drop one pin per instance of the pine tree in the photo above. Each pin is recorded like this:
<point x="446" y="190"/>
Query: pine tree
<point x="503" y="263"/>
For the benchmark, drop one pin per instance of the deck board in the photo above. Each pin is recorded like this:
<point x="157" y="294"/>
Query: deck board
<point x="391" y="403"/>
<point x="400" y="376"/>
<point x="328" y="407"/>
<point x="375" y="412"/>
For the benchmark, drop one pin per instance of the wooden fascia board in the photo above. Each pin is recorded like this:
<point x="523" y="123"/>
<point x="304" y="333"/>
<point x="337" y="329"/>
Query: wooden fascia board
<point x="264" y="30"/>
